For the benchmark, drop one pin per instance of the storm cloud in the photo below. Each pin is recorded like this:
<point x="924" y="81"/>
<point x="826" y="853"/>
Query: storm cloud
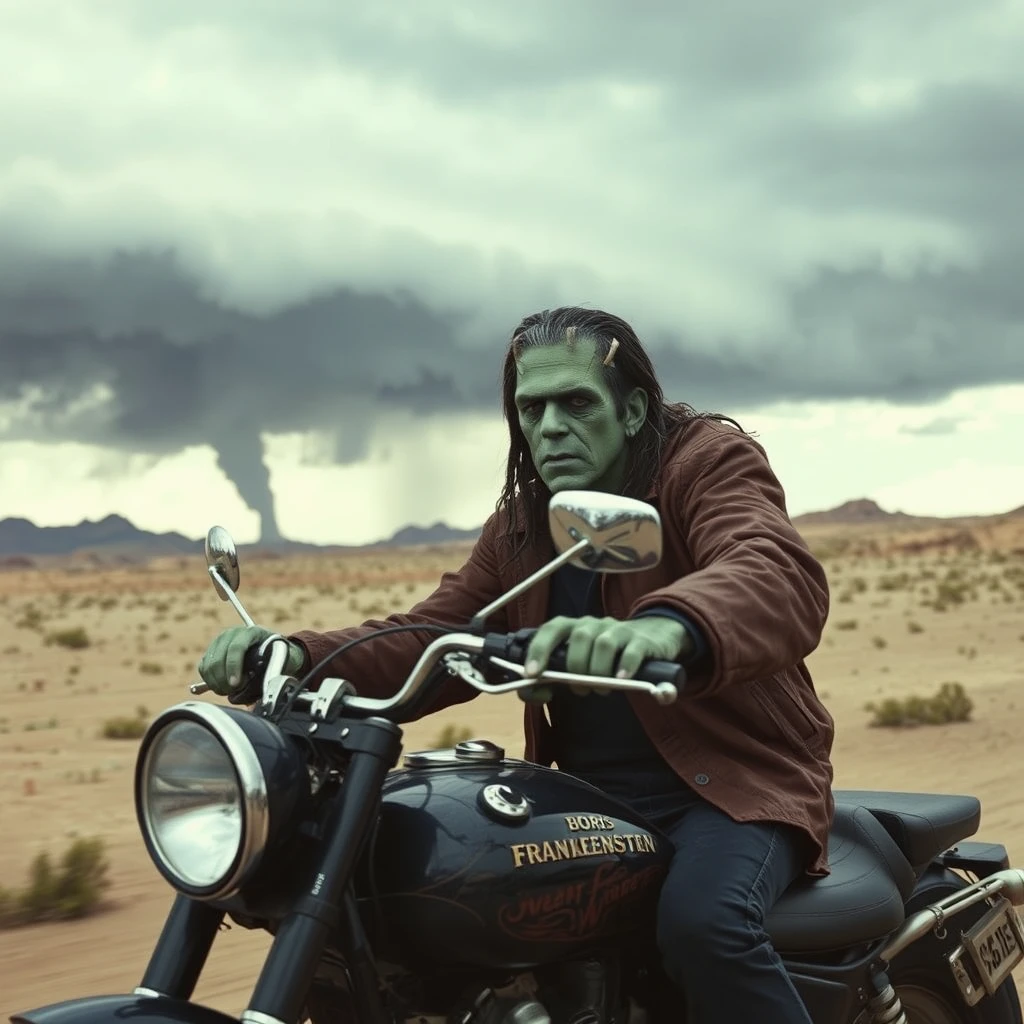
<point x="237" y="219"/>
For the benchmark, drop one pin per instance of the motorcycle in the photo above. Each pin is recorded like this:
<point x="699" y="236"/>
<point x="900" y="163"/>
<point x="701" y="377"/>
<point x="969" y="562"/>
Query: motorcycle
<point x="469" y="887"/>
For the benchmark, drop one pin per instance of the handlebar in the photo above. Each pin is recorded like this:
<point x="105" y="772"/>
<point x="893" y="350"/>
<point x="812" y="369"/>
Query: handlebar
<point x="505" y="651"/>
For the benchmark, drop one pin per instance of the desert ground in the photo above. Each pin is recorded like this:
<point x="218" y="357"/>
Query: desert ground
<point x="913" y="606"/>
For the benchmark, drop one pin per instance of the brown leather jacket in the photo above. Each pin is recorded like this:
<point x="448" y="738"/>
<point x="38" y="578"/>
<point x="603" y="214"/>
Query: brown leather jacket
<point x="749" y="732"/>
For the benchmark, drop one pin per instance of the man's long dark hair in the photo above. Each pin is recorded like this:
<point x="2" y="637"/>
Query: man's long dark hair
<point x="630" y="368"/>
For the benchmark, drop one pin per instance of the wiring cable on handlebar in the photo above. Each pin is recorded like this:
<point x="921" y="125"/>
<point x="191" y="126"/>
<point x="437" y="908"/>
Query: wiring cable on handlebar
<point x="349" y="644"/>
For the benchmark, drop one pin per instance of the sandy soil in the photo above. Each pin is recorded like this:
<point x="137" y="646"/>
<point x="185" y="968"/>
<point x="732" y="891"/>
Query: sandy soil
<point x="147" y="626"/>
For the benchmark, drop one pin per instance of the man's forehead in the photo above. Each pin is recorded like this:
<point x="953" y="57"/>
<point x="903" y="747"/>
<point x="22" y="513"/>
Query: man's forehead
<point x="549" y="370"/>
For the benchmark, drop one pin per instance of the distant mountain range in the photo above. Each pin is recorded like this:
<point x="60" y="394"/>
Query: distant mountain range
<point x="116" y="536"/>
<point x="866" y="511"/>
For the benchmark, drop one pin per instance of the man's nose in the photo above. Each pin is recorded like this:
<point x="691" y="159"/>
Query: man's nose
<point x="552" y="423"/>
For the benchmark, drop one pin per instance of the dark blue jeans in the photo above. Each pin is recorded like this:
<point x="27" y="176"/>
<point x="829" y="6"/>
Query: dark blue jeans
<point x="723" y="880"/>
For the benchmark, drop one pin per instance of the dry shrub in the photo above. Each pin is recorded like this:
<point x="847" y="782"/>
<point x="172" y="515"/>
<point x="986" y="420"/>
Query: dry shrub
<point x="950" y="704"/>
<point x="74" y="638"/>
<point x="123" y="728"/>
<point x="73" y="890"/>
<point x="31" y="618"/>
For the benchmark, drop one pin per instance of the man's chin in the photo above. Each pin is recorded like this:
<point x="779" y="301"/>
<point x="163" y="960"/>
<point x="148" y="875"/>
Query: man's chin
<point x="566" y="482"/>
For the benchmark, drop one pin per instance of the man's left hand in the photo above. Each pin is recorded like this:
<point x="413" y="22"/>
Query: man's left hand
<point x="594" y="644"/>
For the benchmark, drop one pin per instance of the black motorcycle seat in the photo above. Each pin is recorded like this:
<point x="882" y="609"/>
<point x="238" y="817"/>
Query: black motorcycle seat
<point x="862" y="899"/>
<point x="923" y="824"/>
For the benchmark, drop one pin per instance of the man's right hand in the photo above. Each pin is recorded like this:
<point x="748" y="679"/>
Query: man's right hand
<point x="221" y="666"/>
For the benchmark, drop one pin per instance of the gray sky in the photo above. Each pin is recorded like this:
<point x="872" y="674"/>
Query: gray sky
<point x="253" y="249"/>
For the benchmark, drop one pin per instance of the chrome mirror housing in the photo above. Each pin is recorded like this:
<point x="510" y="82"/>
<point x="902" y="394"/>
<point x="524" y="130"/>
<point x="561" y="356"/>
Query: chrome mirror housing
<point x="624" y="533"/>
<point x="222" y="560"/>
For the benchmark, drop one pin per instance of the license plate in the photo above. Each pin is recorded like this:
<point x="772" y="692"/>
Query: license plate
<point x="996" y="945"/>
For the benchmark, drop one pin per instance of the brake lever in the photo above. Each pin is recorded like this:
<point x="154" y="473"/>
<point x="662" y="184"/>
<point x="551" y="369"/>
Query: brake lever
<point x="663" y="693"/>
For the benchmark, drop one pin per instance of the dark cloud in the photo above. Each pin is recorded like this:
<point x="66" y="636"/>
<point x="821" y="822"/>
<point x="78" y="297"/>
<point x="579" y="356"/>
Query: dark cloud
<point x="172" y="369"/>
<point x="645" y="142"/>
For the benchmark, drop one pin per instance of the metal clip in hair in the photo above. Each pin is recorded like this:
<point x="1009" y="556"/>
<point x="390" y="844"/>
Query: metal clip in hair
<point x="612" y="349"/>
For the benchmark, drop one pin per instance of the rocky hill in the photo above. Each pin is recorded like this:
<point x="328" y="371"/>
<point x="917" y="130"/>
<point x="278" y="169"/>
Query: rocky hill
<point x="860" y="510"/>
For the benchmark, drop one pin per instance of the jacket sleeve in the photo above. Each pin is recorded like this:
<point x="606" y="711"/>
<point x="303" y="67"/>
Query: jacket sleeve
<point x="378" y="667"/>
<point x="757" y="594"/>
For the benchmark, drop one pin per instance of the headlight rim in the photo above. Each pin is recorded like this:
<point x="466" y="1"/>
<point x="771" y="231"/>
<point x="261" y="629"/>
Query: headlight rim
<point x="253" y="793"/>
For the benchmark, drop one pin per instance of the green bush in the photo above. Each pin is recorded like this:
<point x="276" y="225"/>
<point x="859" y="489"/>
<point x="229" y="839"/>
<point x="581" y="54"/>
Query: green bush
<point x="123" y="728"/>
<point x="57" y="895"/>
<point x="949" y="704"/>
<point x="31" y="618"/>
<point x="75" y="638"/>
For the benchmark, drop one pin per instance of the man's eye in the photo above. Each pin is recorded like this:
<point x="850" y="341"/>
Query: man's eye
<point x="579" y="403"/>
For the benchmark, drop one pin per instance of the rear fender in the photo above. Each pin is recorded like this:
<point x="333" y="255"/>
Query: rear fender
<point x="138" y="1009"/>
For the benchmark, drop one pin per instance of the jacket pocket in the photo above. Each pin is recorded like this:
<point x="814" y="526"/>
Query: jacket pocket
<point x="787" y="714"/>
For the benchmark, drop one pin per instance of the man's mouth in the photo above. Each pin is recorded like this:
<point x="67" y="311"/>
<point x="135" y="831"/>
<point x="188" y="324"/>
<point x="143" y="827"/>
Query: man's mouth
<point x="557" y="459"/>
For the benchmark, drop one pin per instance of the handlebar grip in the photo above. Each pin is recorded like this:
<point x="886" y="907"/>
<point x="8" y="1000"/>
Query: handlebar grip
<point x="250" y="688"/>
<point x="513" y="646"/>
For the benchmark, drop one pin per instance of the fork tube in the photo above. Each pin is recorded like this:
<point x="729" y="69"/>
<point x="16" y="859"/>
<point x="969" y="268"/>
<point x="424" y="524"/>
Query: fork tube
<point x="280" y="992"/>
<point x="182" y="949"/>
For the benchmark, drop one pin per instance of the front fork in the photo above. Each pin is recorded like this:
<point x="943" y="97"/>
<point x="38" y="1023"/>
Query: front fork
<point x="318" y="915"/>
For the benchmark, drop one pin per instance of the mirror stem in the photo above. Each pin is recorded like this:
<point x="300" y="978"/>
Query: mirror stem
<point x="229" y="594"/>
<point x="477" y="623"/>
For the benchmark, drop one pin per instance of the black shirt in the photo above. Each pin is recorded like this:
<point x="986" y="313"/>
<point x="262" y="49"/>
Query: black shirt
<point x="598" y="735"/>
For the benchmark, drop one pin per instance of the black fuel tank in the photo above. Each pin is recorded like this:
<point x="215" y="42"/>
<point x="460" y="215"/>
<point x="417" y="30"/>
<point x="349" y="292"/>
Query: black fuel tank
<point x="491" y="862"/>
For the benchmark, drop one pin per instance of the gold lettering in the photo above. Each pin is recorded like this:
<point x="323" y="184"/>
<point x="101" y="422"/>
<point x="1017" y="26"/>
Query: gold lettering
<point x="577" y="846"/>
<point x="580" y="822"/>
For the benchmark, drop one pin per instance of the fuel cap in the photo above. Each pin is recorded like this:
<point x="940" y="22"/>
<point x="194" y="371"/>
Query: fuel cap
<point x="479" y="750"/>
<point x="503" y="803"/>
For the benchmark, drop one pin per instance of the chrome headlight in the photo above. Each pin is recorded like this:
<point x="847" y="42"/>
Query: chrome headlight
<point x="203" y="795"/>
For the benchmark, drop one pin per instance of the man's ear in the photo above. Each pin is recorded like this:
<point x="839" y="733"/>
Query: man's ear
<point x="635" y="411"/>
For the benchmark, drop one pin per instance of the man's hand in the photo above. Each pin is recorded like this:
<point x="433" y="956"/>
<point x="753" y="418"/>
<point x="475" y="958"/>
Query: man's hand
<point x="221" y="666"/>
<point x="594" y="644"/>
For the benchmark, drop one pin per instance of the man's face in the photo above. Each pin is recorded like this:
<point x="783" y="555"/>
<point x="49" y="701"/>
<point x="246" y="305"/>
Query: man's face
<point x="568" y="417"/>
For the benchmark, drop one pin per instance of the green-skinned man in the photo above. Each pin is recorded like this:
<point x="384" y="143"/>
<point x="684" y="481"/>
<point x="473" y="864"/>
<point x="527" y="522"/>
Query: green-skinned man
<point x="737" y="771"/>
